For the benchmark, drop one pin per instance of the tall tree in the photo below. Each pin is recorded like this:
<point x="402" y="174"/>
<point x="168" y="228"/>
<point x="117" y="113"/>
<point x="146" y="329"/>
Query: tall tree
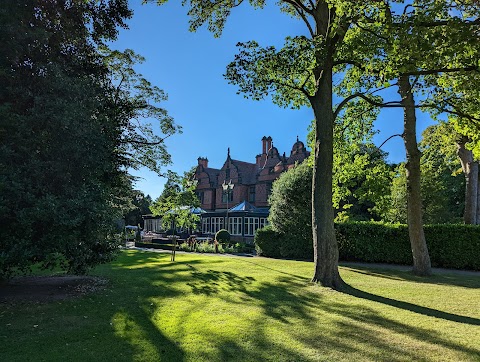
<point x="63" y="174"/>
<point x="299" y="74"/>
<point x="429" y="32"/>
<point x="177" y="202"/>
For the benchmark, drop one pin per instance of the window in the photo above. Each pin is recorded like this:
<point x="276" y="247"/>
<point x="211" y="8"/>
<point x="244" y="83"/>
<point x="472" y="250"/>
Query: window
<point x="268" y="187"/>
<point x="206" y="225"/>
<point x="217" y="224"/>
<point x="263" y="222"/>
<point x="251" y="194"/>
<point x="200" y="196"/>
<point x="251" y="225"/>
<point x="235" y="225"/>
<point x="227" y="173"/>
<point x="227" y="196"/>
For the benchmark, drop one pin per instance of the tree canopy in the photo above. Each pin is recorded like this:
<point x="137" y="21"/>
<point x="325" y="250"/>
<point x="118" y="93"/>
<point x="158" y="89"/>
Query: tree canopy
<point x="69" y="132"/>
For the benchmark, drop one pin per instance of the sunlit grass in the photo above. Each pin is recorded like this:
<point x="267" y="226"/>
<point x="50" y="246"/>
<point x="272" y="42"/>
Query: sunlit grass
<point x="215" y="308"/>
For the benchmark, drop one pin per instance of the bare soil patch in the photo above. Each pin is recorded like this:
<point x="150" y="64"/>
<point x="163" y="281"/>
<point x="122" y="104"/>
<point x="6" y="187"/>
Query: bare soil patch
<point x="42" y="289"/>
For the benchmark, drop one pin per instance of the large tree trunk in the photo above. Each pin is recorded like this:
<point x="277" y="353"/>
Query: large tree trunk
<point x="470" y="170"/>
<point x="421" y="258"/>
<point x="478" y="198"/>
<point x="324" y="241"/>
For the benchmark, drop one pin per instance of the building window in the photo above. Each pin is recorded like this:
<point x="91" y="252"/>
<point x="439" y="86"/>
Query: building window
<point x="263" y="222"/>
<point x="251" y="225"/>
<point x="206" y="225"/>
<point x="227" y="196"/>
<point x="227" y="173"/>
<point x="200" y="196"/>
<point x="217" y="224"/>
<point x="268" y="187"/>
<point x="251" y="194"/>
<point x="235" y="225"/>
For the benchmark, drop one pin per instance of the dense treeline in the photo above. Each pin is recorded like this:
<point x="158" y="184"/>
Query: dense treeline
<point x="66" y="135"/>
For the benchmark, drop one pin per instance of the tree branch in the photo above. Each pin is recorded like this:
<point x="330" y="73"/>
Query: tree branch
<point x="389" y="138"/>
<point x="443" y="70"/>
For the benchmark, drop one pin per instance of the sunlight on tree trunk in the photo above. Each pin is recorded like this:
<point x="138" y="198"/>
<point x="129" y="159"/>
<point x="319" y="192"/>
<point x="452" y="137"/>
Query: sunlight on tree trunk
<point x="421" y="258"/>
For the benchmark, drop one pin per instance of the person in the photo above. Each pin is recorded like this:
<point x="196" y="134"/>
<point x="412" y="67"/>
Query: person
<point x="215" y="242"/>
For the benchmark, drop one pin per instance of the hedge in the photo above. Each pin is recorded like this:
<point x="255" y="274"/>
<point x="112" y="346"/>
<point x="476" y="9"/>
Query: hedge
<point x="450" y="245"/>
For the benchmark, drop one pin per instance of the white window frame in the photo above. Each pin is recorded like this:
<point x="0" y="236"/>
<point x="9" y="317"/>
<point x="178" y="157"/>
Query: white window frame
<point x="205" y="225"/>
<point x="217" y="224"/>
<point x="251" y="225"/>
<point x="235" y="225"/>
<point x="263" y="222"/>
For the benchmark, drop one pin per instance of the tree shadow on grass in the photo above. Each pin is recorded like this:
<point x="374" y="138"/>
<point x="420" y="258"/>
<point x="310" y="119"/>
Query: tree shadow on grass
<point x="363" y="326"/>
<point x="410" y="306"/>
<point x="455" y="278"/>
<point x="286" y="303"/>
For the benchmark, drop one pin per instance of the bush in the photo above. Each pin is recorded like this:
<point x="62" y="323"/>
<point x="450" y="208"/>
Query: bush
<point x="450" y="245"/>
<point x="222" y="236"/>
<point x="267" y="242"/>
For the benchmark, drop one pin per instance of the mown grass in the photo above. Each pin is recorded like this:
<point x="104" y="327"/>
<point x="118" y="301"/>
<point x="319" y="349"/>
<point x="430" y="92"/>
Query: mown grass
<point x="216" y="308"/>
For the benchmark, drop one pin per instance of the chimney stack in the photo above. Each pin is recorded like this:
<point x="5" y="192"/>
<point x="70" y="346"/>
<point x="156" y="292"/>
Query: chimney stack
<point x="203" y="161"/>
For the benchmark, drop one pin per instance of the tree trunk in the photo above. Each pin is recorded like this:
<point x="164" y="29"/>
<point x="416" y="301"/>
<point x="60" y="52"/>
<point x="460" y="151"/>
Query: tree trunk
<point x="478" y="197"/>
<point x="421" y="258"/>
<point x="470" y="170"/>
<point x="324" y="241"/>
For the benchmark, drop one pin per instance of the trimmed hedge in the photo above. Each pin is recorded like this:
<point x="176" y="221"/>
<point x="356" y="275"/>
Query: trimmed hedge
<point x="222" y="236"/>
<point x="267" y="242"/>
<point x="450" y="245"/>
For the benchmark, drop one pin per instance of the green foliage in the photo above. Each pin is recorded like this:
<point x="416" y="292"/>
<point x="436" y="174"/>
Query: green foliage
<point x="267" y="242"/>
<point x="290" y="212"/>
<point x="66" y="133"/>
<point x="222" y="236"/>
<point x="139" y="205"/>
<point x="443" y="188"/>
<point x="175" y="203"/>
<point x="450" y="245"/>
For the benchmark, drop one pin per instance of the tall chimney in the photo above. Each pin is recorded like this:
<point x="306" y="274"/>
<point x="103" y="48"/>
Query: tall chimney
<point x="264" y="145"/>
<point x="269" y="143"/>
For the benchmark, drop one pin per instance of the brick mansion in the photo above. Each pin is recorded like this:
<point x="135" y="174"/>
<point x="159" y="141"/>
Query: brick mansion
<point x="244" y="205"/>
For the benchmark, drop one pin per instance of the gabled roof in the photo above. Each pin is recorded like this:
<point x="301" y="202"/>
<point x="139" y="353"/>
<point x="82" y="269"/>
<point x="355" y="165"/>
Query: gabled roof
<point x="248" y="171"/>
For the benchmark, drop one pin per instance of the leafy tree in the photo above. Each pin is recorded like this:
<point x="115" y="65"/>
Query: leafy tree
<point x="290" y="211"/>
<point x="299" y="74"/>
<point x="429" y="32"/>
<point x="458" y="95"/>
<point x="176" y="202"/>
<point x="64" y="145"/>
<point x="139" y="205"/>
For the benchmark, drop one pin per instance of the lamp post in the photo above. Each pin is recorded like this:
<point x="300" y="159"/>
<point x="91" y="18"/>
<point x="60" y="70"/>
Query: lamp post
<point x="227" y="188"/>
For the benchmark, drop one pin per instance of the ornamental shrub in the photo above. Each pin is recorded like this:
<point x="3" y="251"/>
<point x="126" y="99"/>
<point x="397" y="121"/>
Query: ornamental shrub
<point x="450" y="245"/>
<point x="454" y="246"/>
<point x="222" y="236"/>
<point x="267" y="242"/>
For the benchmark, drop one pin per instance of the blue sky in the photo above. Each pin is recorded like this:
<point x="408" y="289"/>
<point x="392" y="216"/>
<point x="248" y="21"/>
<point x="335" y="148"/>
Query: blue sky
<point x="189" y="67"/>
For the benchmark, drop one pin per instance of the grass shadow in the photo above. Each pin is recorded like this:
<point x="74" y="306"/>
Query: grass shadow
<point x="410" y="306"/>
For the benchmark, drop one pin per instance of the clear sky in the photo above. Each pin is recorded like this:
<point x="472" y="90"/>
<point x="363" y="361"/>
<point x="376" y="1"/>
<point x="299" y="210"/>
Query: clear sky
<point x="190" y="67"/>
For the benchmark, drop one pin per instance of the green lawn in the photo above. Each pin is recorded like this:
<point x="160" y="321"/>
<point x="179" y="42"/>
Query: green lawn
<point x="216" y="308"/>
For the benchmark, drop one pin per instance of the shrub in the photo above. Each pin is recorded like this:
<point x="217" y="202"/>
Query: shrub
<point x="222" y="236"/>
<point x="267" y="242"/>
<point x="450" y="245"/>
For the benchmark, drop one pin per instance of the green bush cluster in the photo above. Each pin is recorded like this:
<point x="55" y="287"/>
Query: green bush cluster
<point x="222" y="236"/>
<point x="271" y="243"/>
<point x="450" y="245"/>
<point x="210" y="248"/>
